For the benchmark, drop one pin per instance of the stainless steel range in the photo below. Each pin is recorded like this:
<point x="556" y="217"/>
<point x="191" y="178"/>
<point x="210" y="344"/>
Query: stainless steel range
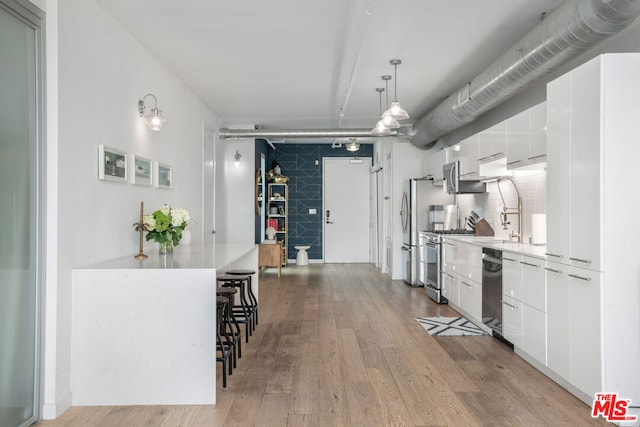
<point x="430" y="258"/>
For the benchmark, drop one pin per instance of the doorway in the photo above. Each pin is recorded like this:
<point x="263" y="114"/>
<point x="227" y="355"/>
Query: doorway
<point x="346" y="209"/>
<point x="21" y="210"/>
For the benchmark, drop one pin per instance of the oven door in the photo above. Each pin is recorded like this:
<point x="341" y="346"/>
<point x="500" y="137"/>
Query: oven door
<point x="432" y="265"/>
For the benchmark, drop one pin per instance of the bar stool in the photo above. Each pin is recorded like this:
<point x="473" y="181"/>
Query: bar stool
<point x="224" y="345"/>
<point x="243" y="311"/>
<point x="252" y="297"/>
<point x="231" y="322"/>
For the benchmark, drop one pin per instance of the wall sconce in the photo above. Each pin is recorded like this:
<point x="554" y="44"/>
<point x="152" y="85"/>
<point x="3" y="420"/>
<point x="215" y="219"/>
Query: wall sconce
<point x="236" y="159"/>
<point x="153" y="117"/>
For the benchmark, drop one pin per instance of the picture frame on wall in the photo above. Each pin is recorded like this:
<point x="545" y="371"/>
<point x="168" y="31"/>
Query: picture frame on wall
<point x="141" y="170"/>
<point x="112" y="164"/>
<point x="164" y="175"/>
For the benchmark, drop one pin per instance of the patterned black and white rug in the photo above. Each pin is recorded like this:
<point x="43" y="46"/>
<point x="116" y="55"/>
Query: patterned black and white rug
<point x="449" y="326"/>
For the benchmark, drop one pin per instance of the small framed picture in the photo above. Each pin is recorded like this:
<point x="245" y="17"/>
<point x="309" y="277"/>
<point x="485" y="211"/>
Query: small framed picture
<point x="142" y="170"/>
<point x="112" y="164"/>
<point x="280" y="210"/>
<point x="164" y="178"/>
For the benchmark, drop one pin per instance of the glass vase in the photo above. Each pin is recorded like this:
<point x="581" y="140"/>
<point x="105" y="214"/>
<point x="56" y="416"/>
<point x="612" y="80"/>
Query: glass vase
<point x="166" y="247"/>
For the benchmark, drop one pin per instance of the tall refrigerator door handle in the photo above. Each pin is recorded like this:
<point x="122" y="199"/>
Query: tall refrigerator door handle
<point x="404" y="213"/>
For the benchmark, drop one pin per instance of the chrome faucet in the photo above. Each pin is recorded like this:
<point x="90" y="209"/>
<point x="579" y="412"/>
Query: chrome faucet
<point x="510" y="211"/>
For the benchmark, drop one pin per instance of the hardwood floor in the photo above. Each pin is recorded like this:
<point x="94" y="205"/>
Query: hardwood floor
<point x="337" y="345"/>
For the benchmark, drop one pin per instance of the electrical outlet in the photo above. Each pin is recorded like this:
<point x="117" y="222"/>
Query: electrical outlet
<point x="312" y="212"/>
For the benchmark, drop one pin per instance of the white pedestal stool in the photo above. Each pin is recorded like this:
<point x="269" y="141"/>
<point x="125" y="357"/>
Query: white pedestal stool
<point x="302" y="257"/>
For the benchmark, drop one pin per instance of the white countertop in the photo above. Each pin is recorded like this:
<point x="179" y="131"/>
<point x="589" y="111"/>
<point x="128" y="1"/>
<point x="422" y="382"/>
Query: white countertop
<point x="500" y="244"/>
<point x="194" y="256"/>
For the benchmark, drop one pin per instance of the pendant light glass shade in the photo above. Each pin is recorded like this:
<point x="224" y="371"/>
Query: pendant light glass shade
<point x="353" y="145"/>
<point x="396" y="111"/>
<point x="381" y="129"/>
<point x="390" y="122"/>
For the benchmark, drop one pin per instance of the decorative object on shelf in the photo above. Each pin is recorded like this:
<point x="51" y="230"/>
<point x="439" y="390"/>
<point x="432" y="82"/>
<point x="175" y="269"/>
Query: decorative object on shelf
<point x="141" y="227"/>
<point x="275" y="174"/>
<point x="271" y="233"/>
<point x="153" y="117"/>
<point x="112" y="164"/>
<point x="276" y="167"/>
<point x="165" y="226"/>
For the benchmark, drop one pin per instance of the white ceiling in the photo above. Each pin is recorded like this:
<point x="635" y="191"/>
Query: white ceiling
<point x="295" y="63"/>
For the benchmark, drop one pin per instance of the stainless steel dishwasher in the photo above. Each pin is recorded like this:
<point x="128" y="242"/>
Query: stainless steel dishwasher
<point x="492" y="290"/>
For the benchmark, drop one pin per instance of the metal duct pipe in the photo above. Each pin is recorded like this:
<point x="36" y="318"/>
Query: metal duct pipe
<point x="226" y="133"/>
<point x="574" y="27"/>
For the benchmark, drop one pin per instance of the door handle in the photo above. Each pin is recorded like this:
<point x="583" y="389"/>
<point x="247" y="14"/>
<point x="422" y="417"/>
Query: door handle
<point x="327" y="216"/>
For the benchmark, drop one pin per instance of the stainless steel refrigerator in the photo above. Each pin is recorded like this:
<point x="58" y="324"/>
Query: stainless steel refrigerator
<point x="417" y="195"/>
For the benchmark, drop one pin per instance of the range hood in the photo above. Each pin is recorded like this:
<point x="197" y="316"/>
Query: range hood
<point x="455" y="185"/>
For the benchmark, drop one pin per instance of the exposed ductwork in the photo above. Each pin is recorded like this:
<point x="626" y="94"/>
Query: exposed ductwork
<point x="573" y="28"/>
<point x="226" y="133"/>
<point x="570" y="30"/>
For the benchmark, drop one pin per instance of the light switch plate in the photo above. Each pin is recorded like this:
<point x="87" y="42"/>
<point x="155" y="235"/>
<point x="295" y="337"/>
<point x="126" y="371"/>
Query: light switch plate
<point x="312" y="212"/>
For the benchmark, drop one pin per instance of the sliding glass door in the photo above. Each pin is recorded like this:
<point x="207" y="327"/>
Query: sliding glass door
<point x="20" y="195"/>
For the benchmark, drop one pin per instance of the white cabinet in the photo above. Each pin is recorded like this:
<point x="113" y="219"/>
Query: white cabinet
<point x="512" y="320"/>
<point x="558" y="358"/>
<point x="492" y="142"/>
<point x="451" y="288"/>
<point x="575" y="170"/>
<point x="534" y="290"/>
<point x="466" y="151"/>
<point x="471" y="298"/>
<point x="462" y="276"/>
<point x="534" y="329"/>
<point x="584" y="327"/>
<point x="511" y="275"/>
<point x="526" y="137"/>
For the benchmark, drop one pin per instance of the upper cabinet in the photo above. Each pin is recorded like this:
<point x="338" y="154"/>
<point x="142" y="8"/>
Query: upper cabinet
<point x="526" y="137"/>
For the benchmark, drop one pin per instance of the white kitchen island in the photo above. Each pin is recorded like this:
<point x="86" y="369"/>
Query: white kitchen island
<point x="143" y="332"/>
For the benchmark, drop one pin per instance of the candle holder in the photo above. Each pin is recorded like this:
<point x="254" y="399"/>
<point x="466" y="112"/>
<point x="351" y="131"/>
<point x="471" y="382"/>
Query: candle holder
<point x="141" y="227"/>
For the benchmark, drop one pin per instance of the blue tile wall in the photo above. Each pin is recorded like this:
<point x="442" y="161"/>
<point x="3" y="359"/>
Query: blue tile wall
<point x="297" y="161"/>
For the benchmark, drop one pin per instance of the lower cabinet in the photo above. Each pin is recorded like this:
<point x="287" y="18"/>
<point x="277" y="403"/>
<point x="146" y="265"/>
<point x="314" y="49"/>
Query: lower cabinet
<point x="471" y="298"/>
<point x="534" y="328"/>
<point x="573" y="337"/>
<point x="451" y="288"/>
<point x="512" y="320"/>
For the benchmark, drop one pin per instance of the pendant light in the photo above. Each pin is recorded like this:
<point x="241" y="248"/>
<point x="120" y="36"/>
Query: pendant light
<point x="380" y="129"/>
<point x="396" y="110"/>
<point x="388" y="120"/>
<point x="353" y="145"/>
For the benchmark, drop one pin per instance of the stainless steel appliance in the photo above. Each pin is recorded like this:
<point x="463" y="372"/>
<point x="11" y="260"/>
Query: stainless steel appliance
<point x="431" y="261"/>
<point x="442" y="217"/>
<point x="492" y="290"/>
<point x="417" y="196"/>
<point x="455" y="185"/>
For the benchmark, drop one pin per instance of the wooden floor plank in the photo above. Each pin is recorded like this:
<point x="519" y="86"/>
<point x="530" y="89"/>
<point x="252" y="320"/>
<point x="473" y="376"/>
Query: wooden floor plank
<point x="338" y="345"/>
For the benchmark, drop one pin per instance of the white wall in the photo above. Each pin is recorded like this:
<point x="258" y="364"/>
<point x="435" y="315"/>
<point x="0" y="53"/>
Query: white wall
<point x="103" y="71"/>
<point x="235" y="192"/>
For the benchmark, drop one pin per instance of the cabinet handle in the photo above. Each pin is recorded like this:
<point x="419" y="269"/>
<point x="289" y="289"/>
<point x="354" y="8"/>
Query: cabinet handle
<point x="575" y="276"/>
<point x="497" y="154"/>
<point x="586" y="261"/>
<point x="508" y="305"/>
<point x="465" y="283"/>
<point x="481" y="159"/>
<point x="529" y="264"/>
<point x="447" y="243"/>
<point x="515" y="162"/>
<point x="537" y="157"/>
<point x="553" y="255"/>
<point x="553" y="270"/>
<point x="508" y="259"/>
<point x="444" y="272"/>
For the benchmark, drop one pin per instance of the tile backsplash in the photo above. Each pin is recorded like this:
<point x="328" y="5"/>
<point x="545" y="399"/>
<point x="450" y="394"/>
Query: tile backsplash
<point x="533" y="189"/>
